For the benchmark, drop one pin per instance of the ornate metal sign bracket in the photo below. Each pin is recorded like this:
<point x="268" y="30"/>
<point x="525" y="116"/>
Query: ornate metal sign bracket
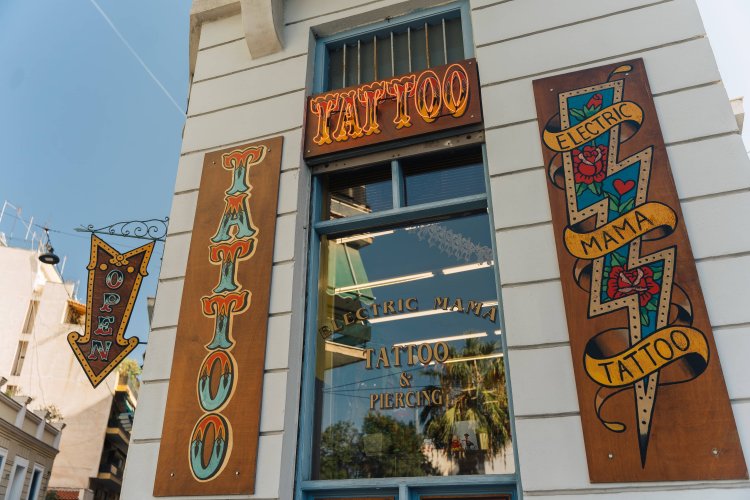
<point x="151" y="229"/>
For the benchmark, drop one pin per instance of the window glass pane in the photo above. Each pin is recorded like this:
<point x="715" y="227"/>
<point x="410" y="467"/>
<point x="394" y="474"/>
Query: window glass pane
<point x="401" y="53"/>
<point x="418" y="49"/>
<point x="335" y="67"/>
<point x="360" y="192"/>
<point x="366" y="60"/>
<point x="440" y="177"/>
<point x="436" y="44"/>
<point x="453" y="33"/>
<point x="410" y="379"/>
<point x="351" y="64"/>
<point x="384" y="57"/>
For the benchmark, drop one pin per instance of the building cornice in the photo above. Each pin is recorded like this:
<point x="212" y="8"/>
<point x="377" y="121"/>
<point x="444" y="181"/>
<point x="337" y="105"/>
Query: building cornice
<point x="262" y="23"/>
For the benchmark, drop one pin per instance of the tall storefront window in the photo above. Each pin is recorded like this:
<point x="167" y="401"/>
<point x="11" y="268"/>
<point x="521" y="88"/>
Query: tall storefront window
<point x="409" y="376"/>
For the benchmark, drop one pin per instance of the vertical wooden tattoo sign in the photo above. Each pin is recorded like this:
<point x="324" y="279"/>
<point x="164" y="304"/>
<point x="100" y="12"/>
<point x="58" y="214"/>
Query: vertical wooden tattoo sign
<point x="653" y="401"/>
<point x="210" y="436"/>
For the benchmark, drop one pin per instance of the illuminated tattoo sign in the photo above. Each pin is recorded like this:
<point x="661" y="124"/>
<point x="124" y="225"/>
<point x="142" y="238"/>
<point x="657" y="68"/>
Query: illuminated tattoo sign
<point x="433" y="100"/>
<point x="113" y="284"/>
<point x="654" y="406"/>
<point x="211" y="425"/>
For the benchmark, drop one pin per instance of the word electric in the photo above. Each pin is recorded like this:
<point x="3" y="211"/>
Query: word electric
<point x="404" y="106"/>
<point x="406" y="306"/>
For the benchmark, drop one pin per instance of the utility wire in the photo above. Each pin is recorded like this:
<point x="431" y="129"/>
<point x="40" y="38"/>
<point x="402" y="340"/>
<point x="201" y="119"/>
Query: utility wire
<point x="138" y="58"/>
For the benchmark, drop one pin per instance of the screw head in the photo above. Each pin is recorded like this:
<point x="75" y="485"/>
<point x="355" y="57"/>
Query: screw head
<point x="610" y="456"/>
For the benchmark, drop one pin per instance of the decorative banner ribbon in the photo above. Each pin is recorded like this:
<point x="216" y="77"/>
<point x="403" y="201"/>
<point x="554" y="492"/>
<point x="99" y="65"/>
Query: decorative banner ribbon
<point x="621" y="231"/>
<point x="648" y="356"/>
<point x="593" y="126"/>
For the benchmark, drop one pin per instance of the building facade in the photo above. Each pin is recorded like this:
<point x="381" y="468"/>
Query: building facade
<point x="39" y="312"/>
<point x="28" y="446"/>
<point x="420" y="337"/>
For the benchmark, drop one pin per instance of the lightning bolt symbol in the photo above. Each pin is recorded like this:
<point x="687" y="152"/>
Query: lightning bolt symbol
<point x="622" y="278"/>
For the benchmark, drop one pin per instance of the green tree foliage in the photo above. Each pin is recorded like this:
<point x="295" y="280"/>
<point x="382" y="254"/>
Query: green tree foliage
<point x="129" y="367"/>
<point x="384" y="448"/>
<point x="475" y="392"/>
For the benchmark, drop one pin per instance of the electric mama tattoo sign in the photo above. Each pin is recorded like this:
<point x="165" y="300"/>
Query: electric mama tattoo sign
<point x="209" y="443"/>
<point x="652" y="396"/>
<point x="433" y="100"/>
<point x="113" y="284"/>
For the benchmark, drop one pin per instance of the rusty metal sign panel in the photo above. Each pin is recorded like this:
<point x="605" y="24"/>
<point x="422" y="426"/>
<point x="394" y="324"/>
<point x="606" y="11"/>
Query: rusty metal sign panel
<point x="407" y="106"/>
<point x="653" y="401"/>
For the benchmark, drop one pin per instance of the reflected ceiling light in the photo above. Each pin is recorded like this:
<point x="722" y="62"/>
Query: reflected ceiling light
<point x="467" y="267"/>
<point x="498" y="332"/>
<point x="385" y="319"/>
<point x="473" y="358"/>
<point x="358" y="237"/>
<point x="390" y="281"/>
<point x="443" y="339"/>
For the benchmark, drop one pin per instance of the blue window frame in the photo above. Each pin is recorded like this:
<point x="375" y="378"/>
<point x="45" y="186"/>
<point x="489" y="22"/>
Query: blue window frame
<point x="326" y="47"/>
<point x="430" y="207"/>
<point x="407" y="196"/>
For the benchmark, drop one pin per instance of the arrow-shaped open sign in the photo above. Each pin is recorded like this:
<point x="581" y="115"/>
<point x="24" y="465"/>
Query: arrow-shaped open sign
<point x="113" y="284"/>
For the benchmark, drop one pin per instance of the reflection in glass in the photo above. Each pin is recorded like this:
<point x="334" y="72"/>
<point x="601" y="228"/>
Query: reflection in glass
<point x="365" y="192"/>
<point x="451" y="174"/>
<point x="410" y="379"/>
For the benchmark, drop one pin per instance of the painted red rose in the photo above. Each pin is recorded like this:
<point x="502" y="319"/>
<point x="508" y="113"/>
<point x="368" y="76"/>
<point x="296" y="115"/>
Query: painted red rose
<point x="590" y="164"/>
<point x="623" y="282"/>
<point x="596" y="100"/>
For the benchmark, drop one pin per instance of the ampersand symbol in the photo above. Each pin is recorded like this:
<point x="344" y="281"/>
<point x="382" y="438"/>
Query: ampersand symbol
<point x="405" y="380"/>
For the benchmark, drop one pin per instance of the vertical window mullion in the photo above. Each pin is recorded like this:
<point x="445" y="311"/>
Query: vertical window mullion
<point x="343" y="81"/>
<point x="393" y="60"/>
<point x="408" y="45"/>
<point x="397" y="175"/>
<point x="445" y="43"/>
<point x="403" y="492"/>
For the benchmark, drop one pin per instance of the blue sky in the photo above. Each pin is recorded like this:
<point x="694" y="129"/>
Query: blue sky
<point x="88" y="137"/>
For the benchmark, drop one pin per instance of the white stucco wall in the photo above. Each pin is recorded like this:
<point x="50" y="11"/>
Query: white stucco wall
<point x="51" y="374"/>
<point x="236" y="99"/>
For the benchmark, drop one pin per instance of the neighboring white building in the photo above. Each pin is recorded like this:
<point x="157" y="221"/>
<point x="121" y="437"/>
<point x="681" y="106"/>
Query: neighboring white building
<point x="252" y="66"/>
<point x="38" y="312"/>
<point x="28" y="446"/>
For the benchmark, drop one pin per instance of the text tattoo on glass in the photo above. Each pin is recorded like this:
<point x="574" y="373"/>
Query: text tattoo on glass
<point x="611" y="230"/>
<point x="234" y="241"/>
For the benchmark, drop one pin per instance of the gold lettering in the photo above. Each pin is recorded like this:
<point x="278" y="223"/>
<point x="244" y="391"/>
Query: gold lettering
<point x="439" y="356"/>
<point x="382" y="358"/>
<point x="396" y="350"/>
<point x="424" y="359"/>
<point x="490" y="314"/>
<point x="441" y="302"/>
<point x="475" y="307"/>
